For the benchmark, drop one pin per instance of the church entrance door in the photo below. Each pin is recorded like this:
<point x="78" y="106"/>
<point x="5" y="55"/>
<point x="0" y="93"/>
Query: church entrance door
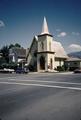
<point x="42" y="63"/>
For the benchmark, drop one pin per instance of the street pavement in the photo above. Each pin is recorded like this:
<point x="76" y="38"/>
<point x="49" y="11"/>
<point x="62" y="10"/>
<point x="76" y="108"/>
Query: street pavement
<point x="40" y="96"/>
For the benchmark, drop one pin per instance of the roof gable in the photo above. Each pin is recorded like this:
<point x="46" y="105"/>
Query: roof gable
<point x="59" y="50"/>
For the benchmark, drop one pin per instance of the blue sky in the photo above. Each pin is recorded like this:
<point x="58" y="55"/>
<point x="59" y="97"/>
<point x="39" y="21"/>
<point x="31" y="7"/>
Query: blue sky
<point x="20" y="20"/>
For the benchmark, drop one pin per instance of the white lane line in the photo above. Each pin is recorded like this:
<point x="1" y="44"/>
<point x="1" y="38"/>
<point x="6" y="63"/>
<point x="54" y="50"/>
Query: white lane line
<point x="8" y="78"/>
<point x="45" y="81"/>
<point x="41" y="85"/>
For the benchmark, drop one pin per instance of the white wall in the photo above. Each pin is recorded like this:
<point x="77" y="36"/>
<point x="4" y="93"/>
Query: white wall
<point x="51" y="56"/>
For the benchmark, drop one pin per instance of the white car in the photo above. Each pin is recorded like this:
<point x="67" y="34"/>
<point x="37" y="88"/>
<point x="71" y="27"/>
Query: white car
<point x="9" y="70"/>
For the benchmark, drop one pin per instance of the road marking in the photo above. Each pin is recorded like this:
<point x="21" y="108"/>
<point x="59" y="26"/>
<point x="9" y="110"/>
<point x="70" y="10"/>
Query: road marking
<point x="45" y="81"/>
<point x="8" y="78"/>
<point x="41" y="85"/>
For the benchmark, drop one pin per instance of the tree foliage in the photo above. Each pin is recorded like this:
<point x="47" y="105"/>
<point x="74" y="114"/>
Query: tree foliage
<point x="11" y="46"/>
<point x="5" y="53"/>
<point x="17" y="45"/>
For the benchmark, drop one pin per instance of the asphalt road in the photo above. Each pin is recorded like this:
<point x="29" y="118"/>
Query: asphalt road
<point x="44" y="96"/>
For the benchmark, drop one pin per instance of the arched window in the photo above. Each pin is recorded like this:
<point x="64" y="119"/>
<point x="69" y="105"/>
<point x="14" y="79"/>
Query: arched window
<point x="42" y="45"/>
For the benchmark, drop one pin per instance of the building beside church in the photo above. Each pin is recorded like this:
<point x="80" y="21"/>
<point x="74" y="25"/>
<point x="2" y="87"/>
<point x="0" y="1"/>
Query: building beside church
<point x="45" y="54"/>
<point x="17" y="55"/>
<point x="73" y="63"/>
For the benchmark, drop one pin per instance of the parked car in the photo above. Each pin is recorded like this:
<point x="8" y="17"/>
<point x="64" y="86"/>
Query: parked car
<point x="77" y="70"/>
<point x="22" y="70"/>
<point x="7" y="70"/>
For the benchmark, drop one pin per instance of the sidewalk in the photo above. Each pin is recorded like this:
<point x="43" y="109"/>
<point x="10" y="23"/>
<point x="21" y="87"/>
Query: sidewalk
<point x="50" y="73"/>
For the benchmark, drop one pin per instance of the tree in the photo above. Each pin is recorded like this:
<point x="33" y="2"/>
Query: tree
<point x="5" y="53"/>
<point x="11" y="46"/>
<point x="2" y="60"/>
<point x="17" y="45"/>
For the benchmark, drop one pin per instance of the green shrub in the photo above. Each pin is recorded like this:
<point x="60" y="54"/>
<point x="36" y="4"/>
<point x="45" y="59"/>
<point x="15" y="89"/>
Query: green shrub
<point x="4" y="65"/>
<point x="8" y="65"/>
<point x="60" y="68"/>
<point x="13" y="65"/>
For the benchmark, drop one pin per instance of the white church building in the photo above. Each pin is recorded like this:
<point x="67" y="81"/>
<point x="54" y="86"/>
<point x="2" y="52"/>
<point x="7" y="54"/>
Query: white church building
<point x="45" y="54"/>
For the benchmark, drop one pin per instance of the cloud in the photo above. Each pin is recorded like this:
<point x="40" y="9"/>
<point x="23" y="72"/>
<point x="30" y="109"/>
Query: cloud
<point x="58" y="30"/>
<point x="2" y="23"/>
<point x="62" y="34"/>
<point x="74" y="47"/>
<point x="76" y="33"/>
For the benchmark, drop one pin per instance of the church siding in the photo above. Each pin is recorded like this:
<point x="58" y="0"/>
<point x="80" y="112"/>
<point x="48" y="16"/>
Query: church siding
<point x="42" y="39"/>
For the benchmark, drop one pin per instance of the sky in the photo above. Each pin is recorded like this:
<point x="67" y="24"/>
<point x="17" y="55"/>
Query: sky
<point x="21" y="20"/>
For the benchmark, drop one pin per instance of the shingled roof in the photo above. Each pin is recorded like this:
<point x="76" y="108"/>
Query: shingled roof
<point x="20" y="52"/>
<point x="71" y="59"/>
<point x="59" y="50"/>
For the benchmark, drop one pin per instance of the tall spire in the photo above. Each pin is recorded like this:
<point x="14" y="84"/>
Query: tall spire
<point x="45" y="27"/>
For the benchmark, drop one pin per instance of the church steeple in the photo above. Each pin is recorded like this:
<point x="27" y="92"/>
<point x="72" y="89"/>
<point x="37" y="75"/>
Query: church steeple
<point x="45" y="27"/>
